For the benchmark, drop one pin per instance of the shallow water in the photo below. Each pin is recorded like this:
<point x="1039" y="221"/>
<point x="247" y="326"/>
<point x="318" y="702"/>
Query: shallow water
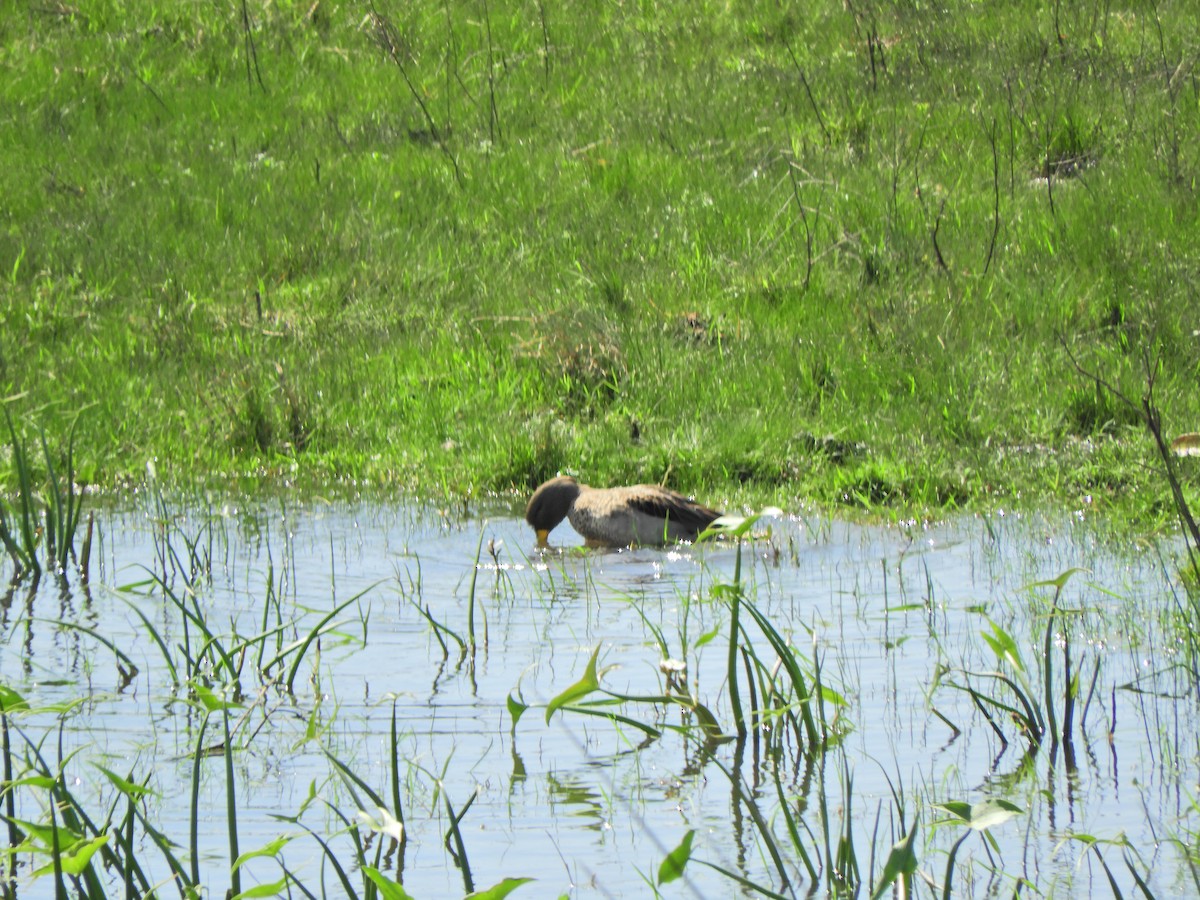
<point x="894" y="614"/>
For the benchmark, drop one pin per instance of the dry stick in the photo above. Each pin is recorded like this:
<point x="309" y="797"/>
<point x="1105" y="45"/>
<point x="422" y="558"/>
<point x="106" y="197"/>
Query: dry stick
<point x="153" y="93"/>
<point x="1012" y="143"/>
<point x="545" y="40"/>
<point x="1153" y="420"/>
<point x="493" y="114"/>
<point x="386" y="37"/>
<point x="812" y="102"/>
<point x="995" y="198"/>
<point x="1169" y="78"/>
<point x="85" y="555"/>
<point x="917" y="167"/>
<point x="936" y="225"/>
<point x="251" y="50"/>
<point x="808" y="236"/>
<point x="451" y="63"/>
<point x="1050" y="178"/>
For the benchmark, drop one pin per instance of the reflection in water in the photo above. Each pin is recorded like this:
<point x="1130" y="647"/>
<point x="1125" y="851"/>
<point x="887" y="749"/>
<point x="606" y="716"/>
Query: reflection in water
<point x="399" y="641"/>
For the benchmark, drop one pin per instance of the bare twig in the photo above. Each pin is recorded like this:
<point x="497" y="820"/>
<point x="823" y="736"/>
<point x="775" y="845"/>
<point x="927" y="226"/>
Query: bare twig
<point x="493" y="114"/>
<point x="251" y="51"/>
<point x="995" y="198"/>
<point x="937" y="224"/>
<point x="1147" y="410"/>
<point x="808" y="90"/>
<point x="808" y="234"/>
<point x="545" y="40"/>
<point x="387" y="39"/>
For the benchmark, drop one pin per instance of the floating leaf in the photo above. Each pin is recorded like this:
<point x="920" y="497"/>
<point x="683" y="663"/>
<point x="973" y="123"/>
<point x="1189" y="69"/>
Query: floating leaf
<point x="672" y="867"/>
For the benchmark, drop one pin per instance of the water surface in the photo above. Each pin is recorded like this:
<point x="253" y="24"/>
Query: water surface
<point x="894" y="614"/>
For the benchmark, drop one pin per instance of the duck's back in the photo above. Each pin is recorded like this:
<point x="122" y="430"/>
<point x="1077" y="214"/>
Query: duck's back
<point x="642" y="514"/>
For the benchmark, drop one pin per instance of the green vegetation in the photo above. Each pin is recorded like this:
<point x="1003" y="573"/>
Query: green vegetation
<point x="834" y="252"/>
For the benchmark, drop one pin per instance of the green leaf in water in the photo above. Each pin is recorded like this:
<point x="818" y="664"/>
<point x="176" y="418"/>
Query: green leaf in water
<point x="1060" y="582"/>
<point x="712" y="728"/>
<point x="277" y="889"/>
<point x="587" y="684"/>
<point x="498" y="891"/>
<point x="672" y="867"/>
<point x="902" y="860"/>
<point x="829" y="695"/>
<point x="708" y="636"/>
<point x="211" y="701"/>
<point x="980" y="816"/>
<point x="267" y="850"/>
<point x="1004" y="647"/>
<point x="388" y="889"/>
<point x="11" y="701"/>
<point x="516" y="709"/>
<point x="128" y="788"/>
<point x="44" y="834"/>
<point x="75" y="858"/>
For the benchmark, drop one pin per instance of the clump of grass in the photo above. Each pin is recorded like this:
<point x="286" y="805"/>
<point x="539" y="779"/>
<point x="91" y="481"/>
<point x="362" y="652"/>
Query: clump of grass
<point x="38" y="528"/>
<point x="583" y="351"/>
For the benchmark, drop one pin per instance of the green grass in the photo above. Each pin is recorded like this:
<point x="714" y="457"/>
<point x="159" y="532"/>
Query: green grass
<point x="680" y="241"/>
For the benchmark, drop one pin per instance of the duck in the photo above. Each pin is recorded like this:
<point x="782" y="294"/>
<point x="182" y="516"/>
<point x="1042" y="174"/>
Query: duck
<point x="642" y="514"/>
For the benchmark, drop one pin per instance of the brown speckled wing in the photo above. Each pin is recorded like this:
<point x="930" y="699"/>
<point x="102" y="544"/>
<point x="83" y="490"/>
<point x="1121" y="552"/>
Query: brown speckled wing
<point x="664" y="504"/>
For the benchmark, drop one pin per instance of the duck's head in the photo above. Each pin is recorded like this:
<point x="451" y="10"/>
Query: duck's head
<point x="550" y="504"/>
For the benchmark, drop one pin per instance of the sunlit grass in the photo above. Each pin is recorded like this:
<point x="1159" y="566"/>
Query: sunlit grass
<point x="828" y="255"/>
